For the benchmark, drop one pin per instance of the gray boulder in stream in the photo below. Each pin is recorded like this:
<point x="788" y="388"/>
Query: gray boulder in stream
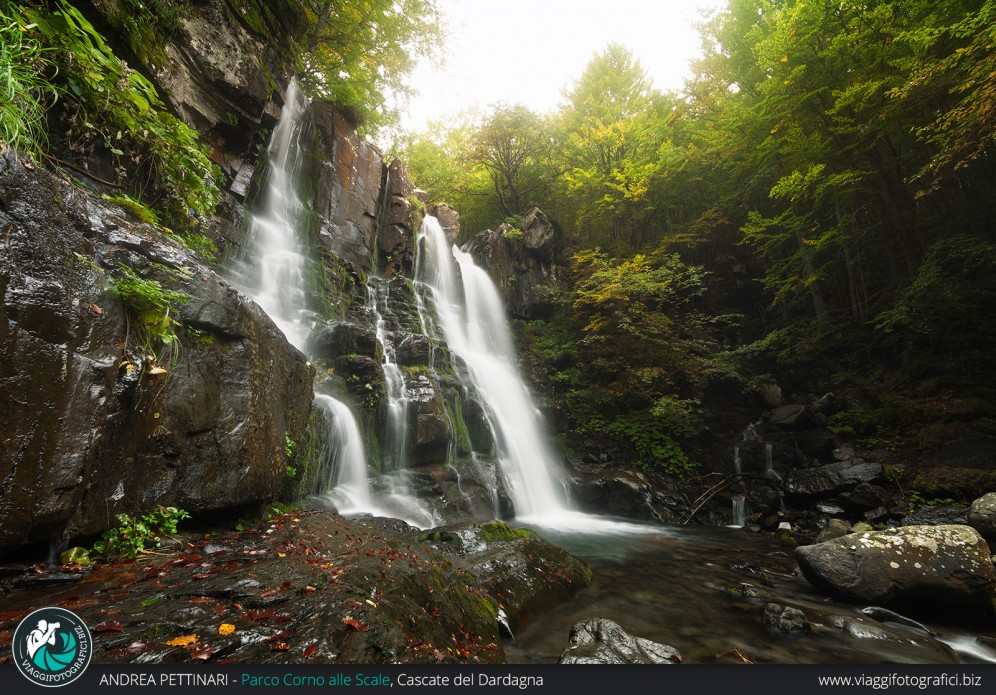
<point x="524" y="573"/>
<point x="926" y="568"/>
<point x="601" y="641"/>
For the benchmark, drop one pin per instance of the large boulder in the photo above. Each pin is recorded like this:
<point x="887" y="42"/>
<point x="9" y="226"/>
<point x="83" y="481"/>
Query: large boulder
<point x="602" y="641"/>
<point x="626" y="493"/>
<point x="982" y="517"/>
<point x="449" y="220"/>
<point x="88" y="429"/>
<point x="831" y="479"/>
<point x="927" y="568"/>
<point x="430" y="427"/>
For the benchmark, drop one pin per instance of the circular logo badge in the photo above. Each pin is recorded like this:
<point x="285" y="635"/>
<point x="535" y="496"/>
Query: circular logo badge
<point x="52" y="647"/>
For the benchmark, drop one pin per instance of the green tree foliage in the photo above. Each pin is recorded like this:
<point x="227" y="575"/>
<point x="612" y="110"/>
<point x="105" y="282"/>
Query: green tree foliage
<point x="612" y="126"/>
<point x="647" y="393"/>
<point x="509" y="146"/>
<point x="360" y="52"/>
<point x="840" y="154"/>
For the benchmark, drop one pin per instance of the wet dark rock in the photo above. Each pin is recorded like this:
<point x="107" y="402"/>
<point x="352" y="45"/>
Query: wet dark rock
<point x="884" y="615"/>
<point x="785" y="618"/>
<point x="478" y="428"/>
<point x="866" y="496"/>
<point x="413" y="349"/>
<point x="348" y="188"/>
<point x="898" y="633"/>
<point x="402" y="310"/>
<point x="430" y="425"/>
<point x="982" y="517"/>
<point x="627" y="493"/>
<point x="300" y="588"/>
<point x="449" y="220"/>
<point x="770" y="395"/>
<point x="831" y="479"/>
<point x="602" y="641"/>
<point x="923" y="567"/>
<point x="343" y="338"/>
<point x="794" y="416"/>
<point x="364" y="377"/>
<point x="516" y="567"/>
<point x="749" y="591"/>
<point x="85" y="433"/>
<point x="878" y="514"/>
<point x="218" y="72"/>
<point x="529" y="269"/>
<point x="397" y="237"/>
<point x="937" y="515"/>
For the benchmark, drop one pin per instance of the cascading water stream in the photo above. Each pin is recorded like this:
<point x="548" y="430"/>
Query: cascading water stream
<point x="344" y="457"/>
<point x="275" y="278"/>
<point x="396" y="452"/>
<point x="471" y="319"/>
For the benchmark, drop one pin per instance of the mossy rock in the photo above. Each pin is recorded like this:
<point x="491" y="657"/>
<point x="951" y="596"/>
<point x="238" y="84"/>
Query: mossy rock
<point x="496" y="531"/>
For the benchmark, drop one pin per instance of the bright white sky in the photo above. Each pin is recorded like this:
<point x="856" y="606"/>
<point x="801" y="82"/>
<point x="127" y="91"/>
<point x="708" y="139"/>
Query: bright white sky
<point x="528" y="51"/>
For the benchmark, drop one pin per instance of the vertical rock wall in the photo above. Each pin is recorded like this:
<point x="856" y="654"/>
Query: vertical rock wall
<point x="87" y="431"/>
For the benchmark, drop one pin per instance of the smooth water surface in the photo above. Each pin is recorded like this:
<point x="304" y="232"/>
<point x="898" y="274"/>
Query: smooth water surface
<point x="671" y="585"/>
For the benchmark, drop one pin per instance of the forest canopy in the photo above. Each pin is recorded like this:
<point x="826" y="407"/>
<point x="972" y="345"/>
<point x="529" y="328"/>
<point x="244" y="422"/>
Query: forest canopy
<point x="831" y="161"/>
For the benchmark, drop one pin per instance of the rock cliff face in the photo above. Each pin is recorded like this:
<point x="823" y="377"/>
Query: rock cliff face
<point x="88" y="429"/>
<point x="219" y="67"/>
<point x="529" y="265"/>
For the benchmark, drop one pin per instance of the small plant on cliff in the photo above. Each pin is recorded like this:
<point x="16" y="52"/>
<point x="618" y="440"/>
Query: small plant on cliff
<point x="133" y="534"/>
<point x="289" y="446"/>
<point x="155" y="307"/>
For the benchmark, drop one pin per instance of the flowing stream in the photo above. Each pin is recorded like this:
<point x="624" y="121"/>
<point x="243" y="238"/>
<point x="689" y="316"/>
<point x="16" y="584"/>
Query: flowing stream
<point x="703" y="591"/>
<point x="275" y="276"/>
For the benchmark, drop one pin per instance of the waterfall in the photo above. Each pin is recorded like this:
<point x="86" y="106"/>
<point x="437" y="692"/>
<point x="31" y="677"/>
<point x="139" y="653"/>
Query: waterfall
<point x="740" y="500"/>
<point x="343" y="457"/>
<point x="471" y="317"/>
<point x="275" y="277"/>
<point x="396" y="452"/>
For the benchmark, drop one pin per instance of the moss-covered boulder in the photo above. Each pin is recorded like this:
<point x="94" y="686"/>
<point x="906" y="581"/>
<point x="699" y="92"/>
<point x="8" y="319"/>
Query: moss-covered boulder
<point x="522" y="572"/>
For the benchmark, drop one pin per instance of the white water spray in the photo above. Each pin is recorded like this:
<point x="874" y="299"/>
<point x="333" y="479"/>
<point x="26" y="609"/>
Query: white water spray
<point x="343" y="457"/>
<point x="276" y="278"/>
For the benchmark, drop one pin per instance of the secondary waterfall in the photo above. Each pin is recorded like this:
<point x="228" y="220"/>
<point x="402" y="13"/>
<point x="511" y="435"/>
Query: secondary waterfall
<point x="344" y="457"/>
<point x="276" y="278"/>
<point x="471" y="319"/>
